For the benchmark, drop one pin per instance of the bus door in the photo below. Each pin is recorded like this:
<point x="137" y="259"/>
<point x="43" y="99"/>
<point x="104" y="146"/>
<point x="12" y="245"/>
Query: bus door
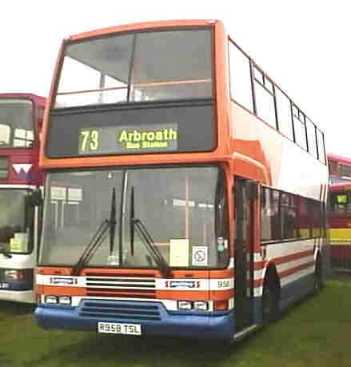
<point x="245" y="195"/>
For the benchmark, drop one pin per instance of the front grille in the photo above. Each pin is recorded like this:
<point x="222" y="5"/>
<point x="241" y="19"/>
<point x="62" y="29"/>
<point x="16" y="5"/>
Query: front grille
<point x="120" y="311"/>
<point x="120" y="287"/>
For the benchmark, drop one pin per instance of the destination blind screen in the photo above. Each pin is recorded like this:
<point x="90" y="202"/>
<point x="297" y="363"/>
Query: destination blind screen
<point x="129" y="139"/>
<point x="116" y="130"/>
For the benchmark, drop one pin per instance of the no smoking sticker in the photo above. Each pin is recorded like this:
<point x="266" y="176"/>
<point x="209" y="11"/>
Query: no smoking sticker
<point x="200" y="256"/>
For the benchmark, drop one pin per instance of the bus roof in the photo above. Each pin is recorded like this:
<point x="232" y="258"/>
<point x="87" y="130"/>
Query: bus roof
<point x="143" y="25"/>
<point x="338" y="158"/>
<point x="34" y="97"/>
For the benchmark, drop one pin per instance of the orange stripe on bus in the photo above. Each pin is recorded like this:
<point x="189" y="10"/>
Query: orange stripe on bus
<point x="183" y="295"/>
<point x="60" y="291"/>
<point x="221" y="295"/>
<point x="176" y="274"/>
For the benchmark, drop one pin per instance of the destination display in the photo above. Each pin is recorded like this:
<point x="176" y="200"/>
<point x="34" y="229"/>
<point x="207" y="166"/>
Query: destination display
<point x="128" y="139"/>
<point x="123" y="130"/>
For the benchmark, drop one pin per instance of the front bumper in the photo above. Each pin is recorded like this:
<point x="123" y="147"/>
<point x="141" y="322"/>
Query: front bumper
<point x="17" y="296"/>
<point x="153" y="317"/>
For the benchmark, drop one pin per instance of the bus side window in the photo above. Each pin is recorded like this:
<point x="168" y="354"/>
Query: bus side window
<point x="284" y="114"/>
<point x="320" y="145"/>
<point x="240" y="79"/>
<point x="269" y="215"/>
<point x="264" y="98"/>
<point x="311" y="137"/>
<point x="299" y="128"/>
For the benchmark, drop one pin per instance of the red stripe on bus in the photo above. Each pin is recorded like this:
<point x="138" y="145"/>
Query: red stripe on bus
<point x="295" y="269"/>
<point x="259" y="265"/>
<point x="296" y="256"/>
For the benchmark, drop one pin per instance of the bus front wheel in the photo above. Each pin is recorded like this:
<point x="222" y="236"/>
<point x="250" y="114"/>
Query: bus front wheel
<point x="318" y="277"/>
<point x="270" y="301"/>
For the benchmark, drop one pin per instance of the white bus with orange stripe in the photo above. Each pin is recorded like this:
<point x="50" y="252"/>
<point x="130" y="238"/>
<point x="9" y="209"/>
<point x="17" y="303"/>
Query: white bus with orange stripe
<point x="185" y="190"/>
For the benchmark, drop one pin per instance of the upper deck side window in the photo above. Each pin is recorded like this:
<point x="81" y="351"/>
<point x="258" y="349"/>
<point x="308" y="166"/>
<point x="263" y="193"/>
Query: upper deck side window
<point x="311" y="137"/>
<point x="264" y="97"/>
<point x="321" y="146"/>
<point x="137" y="67"/>
<point x="240" y="77"/>
<point x="254" y="90"/>
<point x="16" y="123"/>
<point x="299" y="127"/>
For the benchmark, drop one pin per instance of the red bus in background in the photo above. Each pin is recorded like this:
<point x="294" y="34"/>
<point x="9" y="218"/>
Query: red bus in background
<point x="21" y="117"/>
<point x="339" y="212"/>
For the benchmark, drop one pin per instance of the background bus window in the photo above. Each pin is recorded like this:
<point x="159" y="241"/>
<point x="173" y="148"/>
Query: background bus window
<point x="340" y="202"/>
<point x="16" y="123"/>
<point x="240" y="77"/>
<point x="345" y="170"/>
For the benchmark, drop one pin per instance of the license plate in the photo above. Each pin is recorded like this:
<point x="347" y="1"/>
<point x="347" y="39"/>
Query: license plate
<point x="118" y="328"/>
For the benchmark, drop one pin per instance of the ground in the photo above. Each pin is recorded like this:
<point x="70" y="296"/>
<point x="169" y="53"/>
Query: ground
<point x="314" y="333"/>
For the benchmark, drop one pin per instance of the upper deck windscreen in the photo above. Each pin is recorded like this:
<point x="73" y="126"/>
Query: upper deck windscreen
<point x="16" y="123"/>
<point x="134" y="93"/>
<point x="137" y="67"/>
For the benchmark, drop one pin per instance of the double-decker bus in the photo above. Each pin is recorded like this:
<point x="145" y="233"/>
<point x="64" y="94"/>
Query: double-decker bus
<point x="20" y="121"/>
<point x="339" y="212"/>
<point x="185" y="190"/>
<point x="339" y="169"/>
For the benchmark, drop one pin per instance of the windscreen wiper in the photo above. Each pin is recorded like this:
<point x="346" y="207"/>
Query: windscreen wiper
<point x="113" y="221"/>
<point x="95" y="242"/>
<point x="136" y="223"/>
<point x="98" y="238"/>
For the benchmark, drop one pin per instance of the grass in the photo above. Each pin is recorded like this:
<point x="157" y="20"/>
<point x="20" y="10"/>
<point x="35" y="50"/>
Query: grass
<point x="313" y="333"/>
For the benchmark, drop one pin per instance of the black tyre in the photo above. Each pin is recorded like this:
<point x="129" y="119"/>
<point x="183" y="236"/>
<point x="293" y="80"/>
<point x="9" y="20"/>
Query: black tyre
<point x="270" y="302"/>
<point x="318" y="276"/>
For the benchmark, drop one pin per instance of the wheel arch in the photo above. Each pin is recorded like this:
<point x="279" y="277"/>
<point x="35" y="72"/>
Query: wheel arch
<point x="270" y="272"/>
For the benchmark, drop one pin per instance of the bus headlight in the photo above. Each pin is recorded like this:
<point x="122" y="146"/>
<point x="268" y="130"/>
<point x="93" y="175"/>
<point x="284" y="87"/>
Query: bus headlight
<point x="201" y="305"/>
<point x="184" y="305"/>
<point x="58" y="300"/>
<point x="64" y="300"/>
<point x="51" y="300"/>
<point x="196" y="305"/>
